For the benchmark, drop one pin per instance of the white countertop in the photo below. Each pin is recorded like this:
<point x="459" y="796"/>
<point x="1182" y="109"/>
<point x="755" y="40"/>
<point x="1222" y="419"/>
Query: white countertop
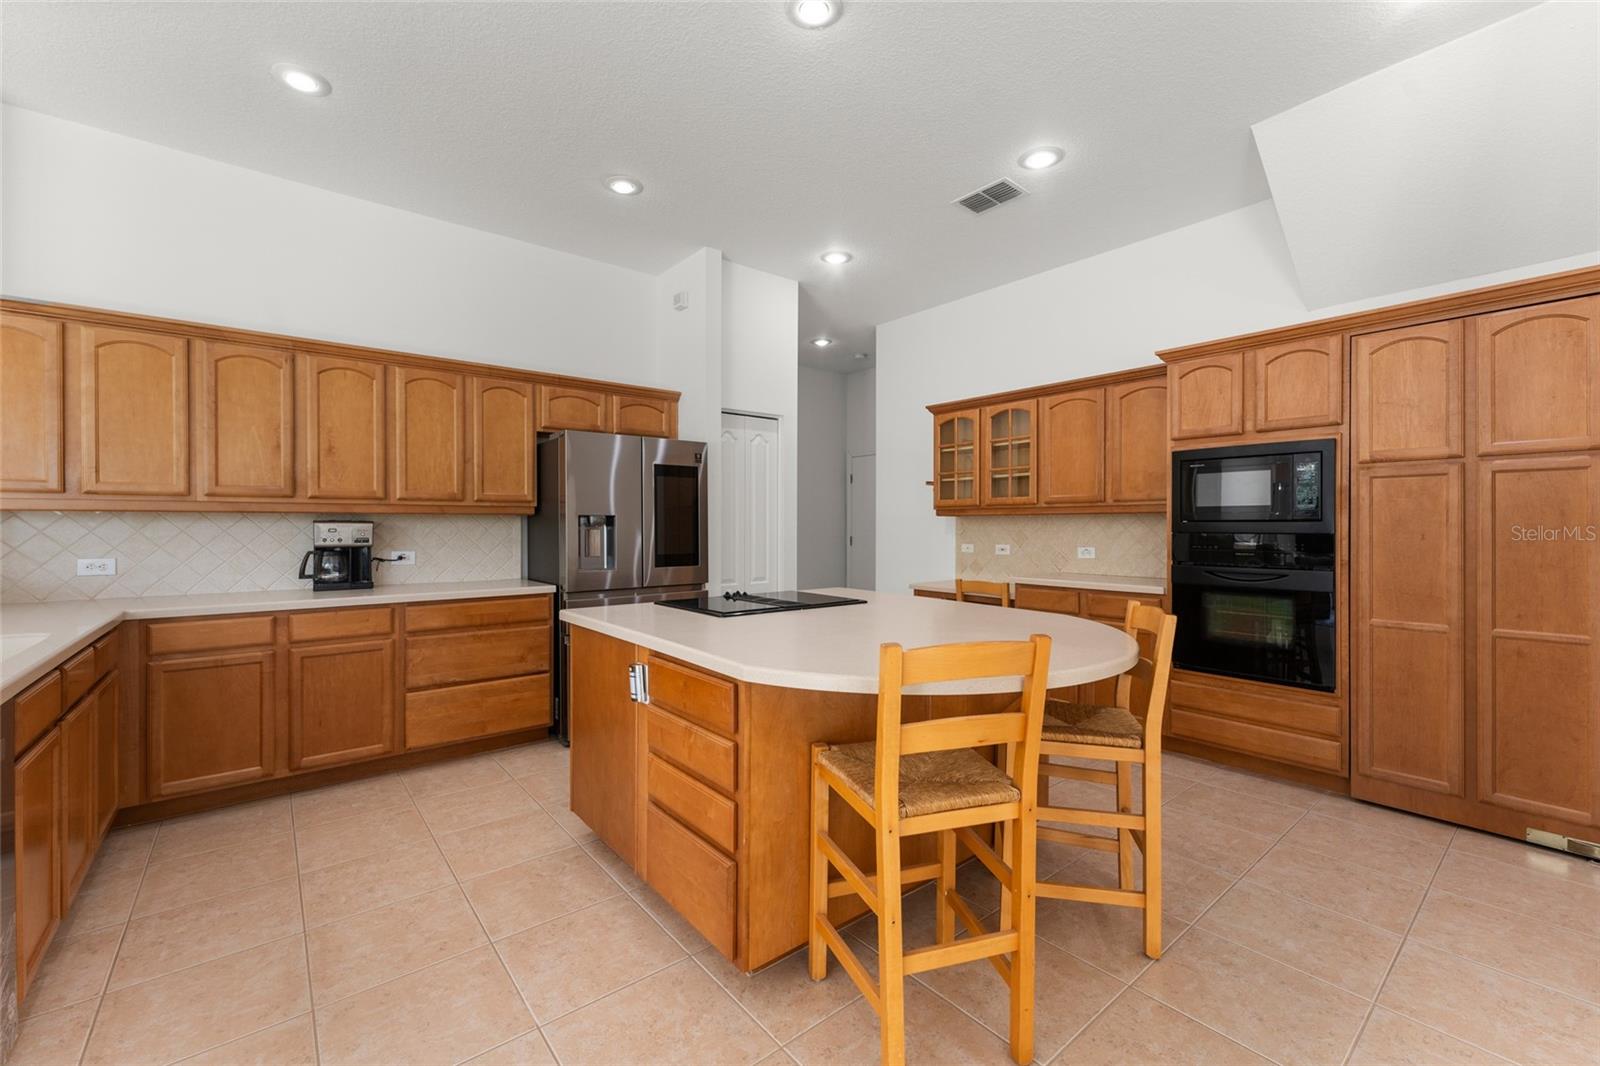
<point x="1136" y="586"/>
<point x="36" y="636"/>
<point x="835" y="649"/>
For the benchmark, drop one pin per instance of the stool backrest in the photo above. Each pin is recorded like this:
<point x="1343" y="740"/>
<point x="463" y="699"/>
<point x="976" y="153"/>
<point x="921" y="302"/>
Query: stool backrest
<point x="967" y="588"/>
<point x="1142" y="688"/>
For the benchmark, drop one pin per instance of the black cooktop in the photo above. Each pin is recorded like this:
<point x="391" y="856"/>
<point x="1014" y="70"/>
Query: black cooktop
<point x="733" y="604"/>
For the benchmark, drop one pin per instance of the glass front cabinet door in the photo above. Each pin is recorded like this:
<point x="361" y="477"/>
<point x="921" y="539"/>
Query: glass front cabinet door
<point x="1008" y="447"/>
<point x="955" y="459"/>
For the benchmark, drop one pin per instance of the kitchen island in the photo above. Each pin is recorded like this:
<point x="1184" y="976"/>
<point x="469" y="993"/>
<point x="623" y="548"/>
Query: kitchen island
<point x="691" y="739"/>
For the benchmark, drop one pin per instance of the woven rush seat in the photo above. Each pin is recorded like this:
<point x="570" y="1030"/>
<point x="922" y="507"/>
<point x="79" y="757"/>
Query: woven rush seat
<point x="930" y="782"/>
<point x="1087" y="723"/>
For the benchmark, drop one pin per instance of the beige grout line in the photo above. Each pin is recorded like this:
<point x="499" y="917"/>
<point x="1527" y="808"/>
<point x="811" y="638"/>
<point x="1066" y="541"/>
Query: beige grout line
<point x="100" y="1000"/>
<point x="305" y="933"/>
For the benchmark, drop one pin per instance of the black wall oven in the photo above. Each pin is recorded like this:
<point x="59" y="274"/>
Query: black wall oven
<point x="1282" y="487"/>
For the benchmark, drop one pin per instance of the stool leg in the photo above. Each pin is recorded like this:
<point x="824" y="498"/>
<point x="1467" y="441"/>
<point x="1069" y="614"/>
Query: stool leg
<point x="1124" y="837"/>
<point x="1023" y="858"/>
<point x="1006" y="842"/>
<point x="1152" y="857"/>
<point x="818" y="952"/>
<point x="891" y="953"/>
<point x="945" y="913"/>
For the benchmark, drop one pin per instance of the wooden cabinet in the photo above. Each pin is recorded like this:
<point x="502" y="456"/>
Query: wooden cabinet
<point x="245" y="416"/>
<point x="38" y="854"/>
<point x="211" y="721"/>
<point x="1072" y="433"/>
<point x="503" y="439"/>
<point x="342" y="428"/>
<point x="1008" y="431"/>
<point x="1136" y="442"/>
<point x="341" y="703"/>
<point x="1299" y="384"/>
<point x="1408" y="392"/>
<point x="80" y="831"/>
<point x="32" y="404"/>
<point x="955" y="459"/>
<point x="605" y="736"/>
<point x="643" y="416"/>
<point x="429" y="435"/>
<point x="133" y="411"/>
<point x="108" y="707"/>
<point x="1206" y="396"/>
<point x="1538" y="378"/>
<point x="574" y="407"/>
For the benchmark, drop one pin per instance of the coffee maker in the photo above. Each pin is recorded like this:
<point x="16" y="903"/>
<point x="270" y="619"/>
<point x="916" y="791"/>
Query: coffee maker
<point x="340" y="556"/>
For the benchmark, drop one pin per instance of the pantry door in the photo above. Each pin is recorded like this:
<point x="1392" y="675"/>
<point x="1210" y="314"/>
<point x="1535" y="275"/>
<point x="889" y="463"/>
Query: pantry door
<point x="750" y="479"/>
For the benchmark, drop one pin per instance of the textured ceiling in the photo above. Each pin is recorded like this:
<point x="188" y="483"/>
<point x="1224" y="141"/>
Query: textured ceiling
<point x="751" y="135"/>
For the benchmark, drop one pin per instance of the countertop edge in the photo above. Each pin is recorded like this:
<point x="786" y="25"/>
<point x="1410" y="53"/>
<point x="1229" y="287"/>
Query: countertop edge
<point x="1149" y="586"/>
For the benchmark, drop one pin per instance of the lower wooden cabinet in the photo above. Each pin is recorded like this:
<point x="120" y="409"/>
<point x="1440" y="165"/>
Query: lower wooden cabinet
<point x="211" y="721"/>
<point x="80" y="831"/>
<point x="108" y="709"/>
<point x="464" y="712"/>
<point x="341" y="703"/>
<point x="604" y="738"/>
<point x="38" y="854"/>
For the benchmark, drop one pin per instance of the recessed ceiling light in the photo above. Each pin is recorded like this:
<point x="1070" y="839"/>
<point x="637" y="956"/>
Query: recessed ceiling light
<point x="623" y="185"/>
<point x="822" y="342"/>
<point x="815" y="14"/>
<point x="1041" y="158"/>
<point x="302" y="81"/>
<point x="836" y="258"/>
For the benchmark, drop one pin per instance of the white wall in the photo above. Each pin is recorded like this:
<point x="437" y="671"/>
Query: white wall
<point x="1227" y="275"/>
<point x="821" y="526"/>
<point x="860" y="412"/>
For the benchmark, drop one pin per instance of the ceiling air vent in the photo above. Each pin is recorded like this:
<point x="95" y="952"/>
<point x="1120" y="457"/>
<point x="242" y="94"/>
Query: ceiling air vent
<point x="991" y="196"/>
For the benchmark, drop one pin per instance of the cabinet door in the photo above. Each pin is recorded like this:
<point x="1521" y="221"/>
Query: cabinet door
<point x="1136" y="442"/>
<point x="79" y="830"/>
<point x="503" y="436"/>
<point x="644" y="416"/>
<point x="341" y="703"/>
<point x="1410" y="619"/>
<point x="38" y="854"/>
<point x="1072" y="428"/>
<point x="1009" y="454"/>
<point x="1207" y="396"/>
<point x="1299" y="384"/>
<point x="211" y="721"/>
<point x="573" y="407"/>
<point x="955" y="459"/>
<point x="108" y="708"/>
<point x="1538" y="378"/>
<point x="1407" y="392"/>
<point x="133" y="409"/>
<point x="605" y="741"/>
<point x="1538" y="636"/>
<point x="32" y="397"/>
<point x="342" y="428"/>
<point x="246" y="419"/>
<point x="430" y="435"/>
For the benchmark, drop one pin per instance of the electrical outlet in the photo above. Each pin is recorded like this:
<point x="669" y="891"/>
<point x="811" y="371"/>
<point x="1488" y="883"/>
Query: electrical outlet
<point x="403" y="558"/>
<point x="97" y="567"/>
<point x="966" y="549"/>
<point x="1002" y="549"/>
<point x="1086" y="551"/>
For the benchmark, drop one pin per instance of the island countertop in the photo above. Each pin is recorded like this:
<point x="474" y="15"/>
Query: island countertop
<point x="835" y="649"/>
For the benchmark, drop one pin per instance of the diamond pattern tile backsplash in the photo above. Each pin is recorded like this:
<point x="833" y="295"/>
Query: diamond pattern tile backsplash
<point x="173" y="554"/>
<point x="1132" y="545"/>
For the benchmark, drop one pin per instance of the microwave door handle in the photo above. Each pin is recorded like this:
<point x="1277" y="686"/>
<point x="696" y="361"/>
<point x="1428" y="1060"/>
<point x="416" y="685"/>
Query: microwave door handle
<point x="1254" y="579"/>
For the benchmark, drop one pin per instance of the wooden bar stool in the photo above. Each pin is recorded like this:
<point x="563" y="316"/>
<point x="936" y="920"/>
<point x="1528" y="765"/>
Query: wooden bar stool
<point x="925" y="777"/>
<point x="1127" y="734"/>
<point x="967" y="588"/>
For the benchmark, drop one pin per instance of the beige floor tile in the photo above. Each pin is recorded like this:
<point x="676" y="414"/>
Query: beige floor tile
<point x="678" y="1015"/>
<point x="1260" y="816"/>
<point x="457" y="775"/>
<point x="513" y="899"/>
<point x="1270" y="1008"/>
<point x="198" y="1008"/>
<point x="53" y="1038"/>
<point x="126" y="849"/>
<point x="350" y="887"/>
<point x="676" y="925"/>
<point x="221" y="828"/>
<point x="349" y="838"/>
<point x="1067" y="993"/>
<point x="529" y="1049"/>
<point x="1211" y="841"/>
<point x="1372" y="816"/>
<point x="290" y="1043"/>
<point x="482" y="849"/>
<point x="937" y="1034"/>
<point x="918" y="922"/>
<point x="1341" y="885"/>
<point x="1285" y="793"/>
<point x="1562" y="959"/>
<point x="367" y="949"/>
<point x="615" y="865"/>
<point x="570" y="824"/>
<point x="552" y="788"/>
<point x="1391" y="1040"/>
<point x="1340" y="950"/>
<point x="453" y="811"/>
<point x="778" y="1058"/>
<point x="538" y="757"/>
<point x="450" y="1011"/>
<point x="783" y="997"/>
<point x="371" y="795"/>
<point x="179" y="938"/>
<point x="105" y="899"/>
<point x="1529" y="857"/>
<point x="1187" y="887"/>
<point x="1111" y="938"/>
<point x="189" y="879"/>
<point x="577" y="958"/>
<point x="1558" y="901"/>
<point x="1385" y="852"/>
<point x="1138" y="1029"/>
<point x="1191" y="768"/>
<point x="1492" y="1010"/>
<point x="74" y="969"/>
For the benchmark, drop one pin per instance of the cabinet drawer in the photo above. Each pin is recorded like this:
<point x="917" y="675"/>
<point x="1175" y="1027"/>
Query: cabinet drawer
<point x="1046" y="598"/>
<point x="1278" y="708"/>
<point x="338" y="625"/>
<point x="449" y="658"/>
<point x="930" y="594"/>
<point x="106" y="651"/>
<point x="77" y="676"/>
<point x="465" y="614"/>
<point x="699" y="881"/>
<point x="37" y="709"/>
<point x="705" y="699"/>
<point x="686" y="744"/>
<point x="1318" y="753"/>
<point x="208" y="634"/>
<point x="464" y="712"/>
<point x="1112" y="607"/>
<point x="702" y="808"/>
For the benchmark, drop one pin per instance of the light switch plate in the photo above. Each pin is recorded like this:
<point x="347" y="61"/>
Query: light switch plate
<point x="1002" y="549"/>
<point x="966" y="549"/>
<point x="97" y="567"/>
<point x="1086" y="551"/>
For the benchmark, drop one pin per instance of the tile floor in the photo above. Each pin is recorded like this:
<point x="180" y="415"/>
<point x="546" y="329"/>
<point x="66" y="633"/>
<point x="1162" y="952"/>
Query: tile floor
<point x="461" y="913"/>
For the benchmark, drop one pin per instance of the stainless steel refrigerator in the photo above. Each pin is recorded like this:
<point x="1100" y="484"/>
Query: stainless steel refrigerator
<point x="620" y="520"/>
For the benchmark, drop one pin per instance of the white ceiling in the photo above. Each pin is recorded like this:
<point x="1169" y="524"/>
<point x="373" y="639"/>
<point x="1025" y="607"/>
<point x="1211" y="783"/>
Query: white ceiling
<point x="751" y="135"/>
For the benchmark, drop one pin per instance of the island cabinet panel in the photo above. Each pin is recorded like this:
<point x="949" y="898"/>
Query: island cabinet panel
<point x="643" y="416"/>
<point x="1072" y="440"/>
<point x="133" y="411"/>
<point x="1206" y="396"/>
<point x="1538" y="378"/>
<point x="429" y="435"/>
<point x="1136" y="442"/>
<point x="245" y="414"/>
<point x="341" y="703"/>
<point x="605" y="735"/>
<point x="705" y="754"/>
<point x="699" y="881"/>
<point x="342" y="428"/>
<point x="574" y="407"/>
<point x="504" y="433"/>
<point x="695" y="804"/>
<point x="32" y="404"/>
<point x="211" y="721"/>
<point x="1408" y="391"/>
<point x="705" y="699"/>
<point x="1299" y="384"/>
<point x="38" y="830"/>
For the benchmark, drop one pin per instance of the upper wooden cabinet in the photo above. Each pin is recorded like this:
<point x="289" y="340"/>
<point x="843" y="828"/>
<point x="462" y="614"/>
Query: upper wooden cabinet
<point x="245" y="414"/>
<point x="643" y="416"/>
<point x="1009" y="432"/>
<point x="1072" y="428"/>
<point x="32" y="396"/>
<point x="503" y="439"/>
<point x="573" y="407"/>
<point x="429" y="426"/>
<point x="955" y="459"/>
<point x="133" y="411"/>
<point x="342" y="426"/>
<point x="1299" y="384"/>
<point x="1538" y="378"/>
<point x="1407" y="393"/>
<point x="1207" y="396"/>
<point x="1136" y="442"/>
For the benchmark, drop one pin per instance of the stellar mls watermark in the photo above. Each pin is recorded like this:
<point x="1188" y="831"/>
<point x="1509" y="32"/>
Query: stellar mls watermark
<point x="1583" y="534"/>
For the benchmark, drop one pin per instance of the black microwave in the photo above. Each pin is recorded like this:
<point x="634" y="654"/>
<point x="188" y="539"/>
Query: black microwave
<point x="1281" y="487"/>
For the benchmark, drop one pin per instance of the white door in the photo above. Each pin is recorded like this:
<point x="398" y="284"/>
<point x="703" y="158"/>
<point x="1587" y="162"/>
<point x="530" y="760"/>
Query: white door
<point x="750" y="521"/>
<point x="861" y="518"/>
